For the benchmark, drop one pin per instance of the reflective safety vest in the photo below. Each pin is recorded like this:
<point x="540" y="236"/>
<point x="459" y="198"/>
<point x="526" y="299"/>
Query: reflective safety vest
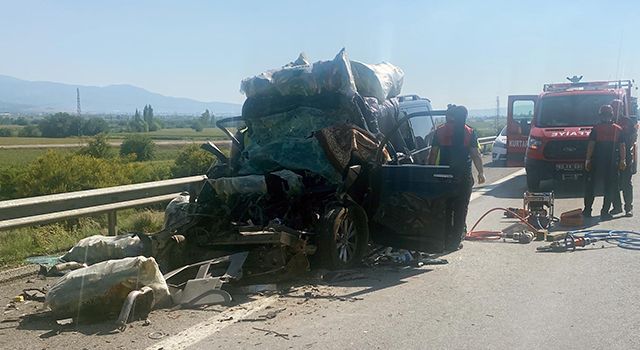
<point x="455" y="153"/>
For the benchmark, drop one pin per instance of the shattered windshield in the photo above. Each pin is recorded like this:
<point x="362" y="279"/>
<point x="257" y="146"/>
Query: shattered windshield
<point x="571" y="110"/>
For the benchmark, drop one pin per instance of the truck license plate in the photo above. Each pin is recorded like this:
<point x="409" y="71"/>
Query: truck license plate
<point x="569" y="166"/>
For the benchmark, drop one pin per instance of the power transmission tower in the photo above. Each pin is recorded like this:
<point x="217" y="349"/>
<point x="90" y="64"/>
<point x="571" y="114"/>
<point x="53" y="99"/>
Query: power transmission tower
<point x="497" y="113"/>
<point x="78" y="110"/>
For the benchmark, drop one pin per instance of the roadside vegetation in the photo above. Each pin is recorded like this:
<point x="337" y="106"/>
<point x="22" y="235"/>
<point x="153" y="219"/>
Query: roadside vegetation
<point x="55" y="239"/>
<point x="95" y="165"/>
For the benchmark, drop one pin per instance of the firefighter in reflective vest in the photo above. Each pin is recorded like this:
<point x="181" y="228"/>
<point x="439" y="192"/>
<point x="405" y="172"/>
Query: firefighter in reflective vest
<point x="605" y="156"/>
<point x="629" y="136"/>
<point x="455" y="144"/>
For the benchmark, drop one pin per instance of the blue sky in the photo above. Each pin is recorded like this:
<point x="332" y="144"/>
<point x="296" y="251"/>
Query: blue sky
<point x="464" y="52"/>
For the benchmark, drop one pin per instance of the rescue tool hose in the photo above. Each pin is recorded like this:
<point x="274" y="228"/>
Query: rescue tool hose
<point x="493" y="235"/>
<point x="623" y="238"/>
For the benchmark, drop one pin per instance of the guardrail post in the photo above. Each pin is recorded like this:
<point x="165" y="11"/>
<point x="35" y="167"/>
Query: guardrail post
<point x="112" y="220"/>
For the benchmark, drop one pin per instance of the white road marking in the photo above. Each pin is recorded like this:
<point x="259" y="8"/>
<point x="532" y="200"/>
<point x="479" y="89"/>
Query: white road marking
<point x="483" y="190"/>
<point x="204" y="329"/>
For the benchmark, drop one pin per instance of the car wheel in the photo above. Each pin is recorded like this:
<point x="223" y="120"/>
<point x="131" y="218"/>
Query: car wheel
<point x="533" y="180"/>
<point x="343" y="238"/>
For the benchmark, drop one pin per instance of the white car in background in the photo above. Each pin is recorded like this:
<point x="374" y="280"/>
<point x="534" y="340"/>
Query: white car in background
<point x="499" y="152"/>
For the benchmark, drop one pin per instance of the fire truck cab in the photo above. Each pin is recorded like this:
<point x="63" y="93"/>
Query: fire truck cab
<point x="556" y="126"/>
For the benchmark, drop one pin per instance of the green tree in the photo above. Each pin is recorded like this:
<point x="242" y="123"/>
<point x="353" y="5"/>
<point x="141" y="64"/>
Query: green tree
<point x="147" y="115"/>
<point x="205" y="118"/>
<point x="141" y="145"/>
<point x="30" y="131"/>
<point x="197" y="126"/>
<point x="98" y="147"/>
<point x="60" y="125"/>
<point x="94" y="126"/>
<point x="192" y="160"/>
<point x="137" y="124"/>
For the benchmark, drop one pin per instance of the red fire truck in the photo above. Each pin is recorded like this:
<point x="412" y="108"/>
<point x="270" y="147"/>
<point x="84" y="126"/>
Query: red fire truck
<point x="549" y="132"/>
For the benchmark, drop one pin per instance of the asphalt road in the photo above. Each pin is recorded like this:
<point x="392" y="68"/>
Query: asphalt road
<point x="489" y="296"/>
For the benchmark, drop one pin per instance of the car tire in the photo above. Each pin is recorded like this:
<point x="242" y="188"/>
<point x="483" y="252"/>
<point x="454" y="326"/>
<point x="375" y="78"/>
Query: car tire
<point x="533" y="180"/>
<point x="343" y="238"/>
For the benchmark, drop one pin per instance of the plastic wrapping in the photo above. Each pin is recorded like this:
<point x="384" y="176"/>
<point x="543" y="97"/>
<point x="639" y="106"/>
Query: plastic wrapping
<point x="176" y="210"/>
<point x="381" y="81"/>
<point x="250" y="184"/>
<point x="99" y="291"/>
<point x="99" y="248"/>
<point x="302" y="78"/>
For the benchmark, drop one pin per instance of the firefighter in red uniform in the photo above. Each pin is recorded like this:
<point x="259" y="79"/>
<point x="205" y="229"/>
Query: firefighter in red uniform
<point x="605" y="156"/>
<point x="629" y="136"/>
<point x="455" y="144"/>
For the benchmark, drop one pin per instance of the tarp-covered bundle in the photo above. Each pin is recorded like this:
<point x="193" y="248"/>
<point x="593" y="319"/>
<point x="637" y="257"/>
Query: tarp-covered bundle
<point x="286" y="108"/>
<point x="99" y="291"/>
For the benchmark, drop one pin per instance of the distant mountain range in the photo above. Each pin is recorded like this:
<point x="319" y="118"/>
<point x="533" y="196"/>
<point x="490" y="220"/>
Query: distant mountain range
<point x="22" y="96"/>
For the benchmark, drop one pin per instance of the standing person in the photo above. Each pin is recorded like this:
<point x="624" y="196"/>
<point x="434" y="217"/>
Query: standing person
<point x="629" y="136"/>
<point x="602" y="163"/>
<point x="455" y="144"/>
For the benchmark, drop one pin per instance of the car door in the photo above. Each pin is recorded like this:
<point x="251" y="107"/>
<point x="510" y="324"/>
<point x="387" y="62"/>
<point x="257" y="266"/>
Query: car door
<point x="520" y="113"/>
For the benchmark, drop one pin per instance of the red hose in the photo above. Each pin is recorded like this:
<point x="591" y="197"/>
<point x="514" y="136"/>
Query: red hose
<point x="492" y="235"/>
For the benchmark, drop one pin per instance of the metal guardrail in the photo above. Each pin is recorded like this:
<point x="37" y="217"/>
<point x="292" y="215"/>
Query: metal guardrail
<point x="56" y="207"/>
<point x="485" y="141"/>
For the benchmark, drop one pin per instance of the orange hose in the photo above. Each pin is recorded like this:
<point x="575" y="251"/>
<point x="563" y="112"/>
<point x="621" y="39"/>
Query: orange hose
<point x="492" y="235"/>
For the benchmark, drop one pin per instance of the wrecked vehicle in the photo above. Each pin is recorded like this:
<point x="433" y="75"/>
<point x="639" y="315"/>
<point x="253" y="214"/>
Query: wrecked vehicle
<point x="322" y="163"/>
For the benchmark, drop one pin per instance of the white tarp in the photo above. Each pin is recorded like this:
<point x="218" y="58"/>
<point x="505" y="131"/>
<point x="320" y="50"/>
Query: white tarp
<point x="101" y="289"/>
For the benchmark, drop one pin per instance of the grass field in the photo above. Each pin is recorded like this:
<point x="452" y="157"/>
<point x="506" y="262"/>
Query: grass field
<point x="21" y="157"/>
<point x="164" y="134"/>
<point x="180" y="134"/>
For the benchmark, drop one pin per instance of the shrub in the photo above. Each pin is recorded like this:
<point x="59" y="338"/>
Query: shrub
<point x="98" y="147"/>
<point x="140" y="145"/>
<point x="55" y="172"/>
<point x="143" y="221"/>
<point x="192" y="160"/>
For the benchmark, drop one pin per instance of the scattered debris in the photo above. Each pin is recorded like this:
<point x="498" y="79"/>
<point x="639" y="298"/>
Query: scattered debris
<point x="276" y="334"/>
<point x="256" y="288"/>
<point x="203" y="289"/>
<point x="269" y="315"/>
<point x="157" y="335"/>
<point x="34" y="294"/>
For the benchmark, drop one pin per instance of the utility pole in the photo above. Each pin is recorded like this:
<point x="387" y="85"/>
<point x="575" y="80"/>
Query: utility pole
<point x="497" y="114"/>
<point x="78" y="110"/>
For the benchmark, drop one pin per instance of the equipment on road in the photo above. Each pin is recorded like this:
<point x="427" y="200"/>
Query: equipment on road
<point x="537" y="209"/>
<point x="539" y="206"/>
<point x="524" y="235"/>
<point x="581" y="239"/>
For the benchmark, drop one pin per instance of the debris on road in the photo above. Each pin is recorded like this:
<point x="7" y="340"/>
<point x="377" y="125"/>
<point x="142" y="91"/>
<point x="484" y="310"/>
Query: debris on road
<point x="402" y="257"/>
<point x="34" y="294"/>
<point x="581" y="239"/>
<point x="270" y="332"/>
